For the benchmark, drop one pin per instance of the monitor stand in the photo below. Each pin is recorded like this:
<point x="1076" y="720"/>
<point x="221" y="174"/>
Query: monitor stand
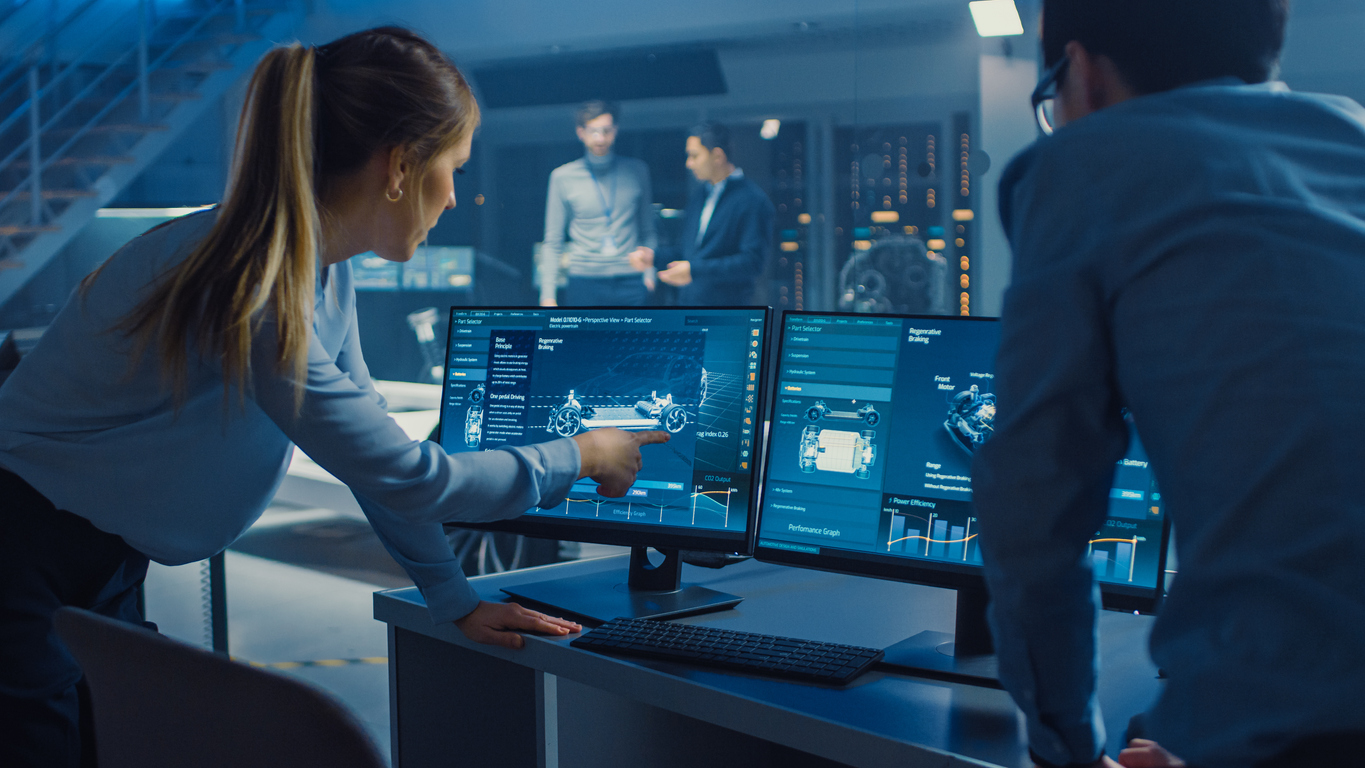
<point x="648" y="592"/>
<point x="966" y="656"/>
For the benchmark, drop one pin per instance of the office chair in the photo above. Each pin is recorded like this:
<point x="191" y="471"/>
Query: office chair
<point x="160" y="702"/>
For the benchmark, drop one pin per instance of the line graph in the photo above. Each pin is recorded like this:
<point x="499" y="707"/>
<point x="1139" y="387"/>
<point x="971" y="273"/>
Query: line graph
<point x="700" y="494"/>
<point x="944" y="533"/>
<point x="707" y="503"/>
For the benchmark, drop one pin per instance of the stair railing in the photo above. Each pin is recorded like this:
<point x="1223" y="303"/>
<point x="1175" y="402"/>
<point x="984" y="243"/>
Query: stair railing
<point x="141" y="17"/>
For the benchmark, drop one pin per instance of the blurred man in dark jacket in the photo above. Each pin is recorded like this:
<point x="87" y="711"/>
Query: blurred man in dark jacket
<point x="727" y="232"/>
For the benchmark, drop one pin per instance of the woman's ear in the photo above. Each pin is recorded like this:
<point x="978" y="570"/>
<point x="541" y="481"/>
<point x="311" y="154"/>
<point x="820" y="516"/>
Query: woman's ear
<point x="398" y="171"/>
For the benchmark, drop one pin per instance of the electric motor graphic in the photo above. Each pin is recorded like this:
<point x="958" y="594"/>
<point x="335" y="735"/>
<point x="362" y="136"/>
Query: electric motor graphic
<point x="836" y="450"/>
<point x="971" y="418"/>
<point x="573" y="416"/>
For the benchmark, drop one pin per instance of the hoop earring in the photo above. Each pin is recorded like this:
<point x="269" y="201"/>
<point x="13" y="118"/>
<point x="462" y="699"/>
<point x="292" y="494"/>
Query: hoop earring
<point x="394" y="199"/>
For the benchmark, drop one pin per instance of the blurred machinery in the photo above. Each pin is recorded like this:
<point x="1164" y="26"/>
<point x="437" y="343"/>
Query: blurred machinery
<point x="896" y="274"/>
<point x="423" y="323"/>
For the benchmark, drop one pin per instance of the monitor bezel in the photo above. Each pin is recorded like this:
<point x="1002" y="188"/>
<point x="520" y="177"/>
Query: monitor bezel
<point x="641" y="535"/>
<point x="1113" y="596"/>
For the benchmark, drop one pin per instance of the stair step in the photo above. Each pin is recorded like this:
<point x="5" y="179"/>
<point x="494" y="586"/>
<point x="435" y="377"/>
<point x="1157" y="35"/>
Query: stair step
<point x="196" y="67"/>
<point x="88" y="160"/>
<point x="196" y="16"/>
<point x="51" y="194"/>
<point x="176" y="96"/>
<point x="11" y="231"/>
<point x="217" y="38"/>
<point x="163" y="97"/>
<point x="114" y="128"/>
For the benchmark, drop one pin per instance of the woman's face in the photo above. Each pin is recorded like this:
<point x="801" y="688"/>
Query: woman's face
<point x="408" y="226"/>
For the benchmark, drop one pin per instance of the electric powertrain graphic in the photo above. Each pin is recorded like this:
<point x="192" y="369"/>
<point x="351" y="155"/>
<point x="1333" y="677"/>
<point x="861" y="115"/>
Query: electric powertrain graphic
<point x="866" y="414"/>
<point x="574" y="416"/>
<point x="837" y="450"/>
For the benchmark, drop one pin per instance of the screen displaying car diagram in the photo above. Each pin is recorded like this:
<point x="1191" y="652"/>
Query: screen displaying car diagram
<point x="523" y="376"/>
<point x="875" y="422"/>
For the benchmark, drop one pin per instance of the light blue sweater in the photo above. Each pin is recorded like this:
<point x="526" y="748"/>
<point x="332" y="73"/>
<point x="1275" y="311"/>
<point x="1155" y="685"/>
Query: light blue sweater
<point x="95" y="430"/>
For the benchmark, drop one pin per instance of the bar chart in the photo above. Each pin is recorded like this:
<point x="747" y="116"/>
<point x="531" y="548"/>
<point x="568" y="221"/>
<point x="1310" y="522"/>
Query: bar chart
<point x="1112" y="559"/>
<point x="945" y="531"/>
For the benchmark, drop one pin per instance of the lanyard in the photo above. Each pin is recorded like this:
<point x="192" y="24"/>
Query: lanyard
<point x="597" y="185"/>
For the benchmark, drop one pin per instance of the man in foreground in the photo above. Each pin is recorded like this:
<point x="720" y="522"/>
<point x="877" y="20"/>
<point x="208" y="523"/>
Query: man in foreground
<point x="1190" y="245"/>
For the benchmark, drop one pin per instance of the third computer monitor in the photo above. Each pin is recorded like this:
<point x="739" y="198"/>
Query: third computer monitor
<point x="874" y="423"/>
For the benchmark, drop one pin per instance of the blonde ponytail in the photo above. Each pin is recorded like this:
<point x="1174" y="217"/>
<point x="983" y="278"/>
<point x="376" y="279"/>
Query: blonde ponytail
<point x="259" y="260"/>
<point x="312" y="118"/>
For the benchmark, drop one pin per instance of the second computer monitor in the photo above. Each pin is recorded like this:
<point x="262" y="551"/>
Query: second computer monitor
<point x="874" y="423"/>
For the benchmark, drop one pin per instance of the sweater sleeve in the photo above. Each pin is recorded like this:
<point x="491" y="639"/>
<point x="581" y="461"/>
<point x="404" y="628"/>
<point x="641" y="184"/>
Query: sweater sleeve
<point x="649" y="236"/>
<point x="1040" y="484"/>
<point x="552" y="246"/>
<point x="406" y="488"/>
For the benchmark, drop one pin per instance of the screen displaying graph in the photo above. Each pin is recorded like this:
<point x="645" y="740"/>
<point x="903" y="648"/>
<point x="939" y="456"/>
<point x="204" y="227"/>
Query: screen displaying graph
<point x="522" y="376"/>
<point x="875" y="423"/>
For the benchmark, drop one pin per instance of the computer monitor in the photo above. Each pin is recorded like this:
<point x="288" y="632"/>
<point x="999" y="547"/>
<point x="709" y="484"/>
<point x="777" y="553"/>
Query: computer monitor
<point x="519" y="376"/>
<point x="875" y="419"/>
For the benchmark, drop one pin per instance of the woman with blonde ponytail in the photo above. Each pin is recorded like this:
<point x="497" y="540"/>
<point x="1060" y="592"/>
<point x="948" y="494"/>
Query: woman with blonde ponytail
<point x="159" y="412"/>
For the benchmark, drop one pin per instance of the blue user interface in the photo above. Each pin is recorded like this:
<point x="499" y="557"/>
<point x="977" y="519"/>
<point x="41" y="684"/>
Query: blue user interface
<point x="875" y="421"/>
<point x="524" y="376"/>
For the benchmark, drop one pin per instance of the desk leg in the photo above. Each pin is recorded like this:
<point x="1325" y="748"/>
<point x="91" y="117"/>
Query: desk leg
<point x="547" y="719"/>
<point x="449" y="706"/>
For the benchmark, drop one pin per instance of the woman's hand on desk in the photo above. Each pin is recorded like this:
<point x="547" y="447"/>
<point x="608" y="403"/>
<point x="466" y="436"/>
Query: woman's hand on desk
<point x="499" y="623"/>
<point x="612" y="457"/>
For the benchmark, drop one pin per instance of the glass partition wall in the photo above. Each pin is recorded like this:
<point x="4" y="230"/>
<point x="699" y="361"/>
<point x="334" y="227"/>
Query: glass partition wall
<point x="862" y="123"/>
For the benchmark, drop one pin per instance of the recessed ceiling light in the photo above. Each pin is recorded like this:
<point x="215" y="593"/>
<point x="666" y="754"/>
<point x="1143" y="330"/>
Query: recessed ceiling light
<point x="996" y="18"/>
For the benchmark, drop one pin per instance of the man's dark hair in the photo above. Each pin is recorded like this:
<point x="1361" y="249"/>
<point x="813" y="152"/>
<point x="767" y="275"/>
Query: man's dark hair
<point x="591" y="110"/>
<point x="711" y="135"/>
<point x="1158" y="45"/>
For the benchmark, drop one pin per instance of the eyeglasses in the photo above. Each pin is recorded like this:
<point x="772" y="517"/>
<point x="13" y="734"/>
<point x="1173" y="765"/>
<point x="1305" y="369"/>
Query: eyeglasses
<point x="603" y="132"/>
<point x="1046" y="92"/>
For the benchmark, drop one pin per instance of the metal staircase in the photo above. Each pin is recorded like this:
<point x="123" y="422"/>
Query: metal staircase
<point x="95" y="91"/>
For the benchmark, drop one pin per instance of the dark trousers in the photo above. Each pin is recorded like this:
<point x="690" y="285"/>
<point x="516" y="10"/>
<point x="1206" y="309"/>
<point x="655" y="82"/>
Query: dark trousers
<point x="619" y="291"/>
<point x="50" y="558"/>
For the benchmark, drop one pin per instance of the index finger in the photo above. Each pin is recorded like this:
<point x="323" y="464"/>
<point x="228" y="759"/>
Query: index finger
<point x="652" y="436"/>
